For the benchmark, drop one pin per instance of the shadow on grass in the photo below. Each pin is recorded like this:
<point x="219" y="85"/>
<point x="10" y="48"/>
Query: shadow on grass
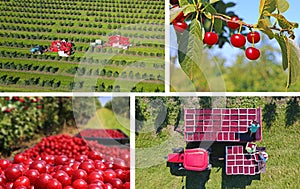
<point x="269" y="114"/>
<point x="237" y="181"/>
<point x="197" y="180"/>
<point x="292" y="112"/>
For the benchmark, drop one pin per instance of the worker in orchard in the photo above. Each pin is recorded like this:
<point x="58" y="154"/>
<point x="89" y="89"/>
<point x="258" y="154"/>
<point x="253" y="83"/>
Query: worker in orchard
<point x="253" y="128"/>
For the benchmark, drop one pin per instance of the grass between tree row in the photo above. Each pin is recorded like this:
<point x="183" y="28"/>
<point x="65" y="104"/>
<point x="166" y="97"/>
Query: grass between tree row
<point x="282" y="167"/>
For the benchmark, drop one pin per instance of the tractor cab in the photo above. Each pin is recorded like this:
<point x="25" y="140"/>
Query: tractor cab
<point x="38" y="50"/>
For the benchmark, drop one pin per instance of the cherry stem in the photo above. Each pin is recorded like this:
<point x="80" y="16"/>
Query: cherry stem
<point x="212" y="23"/>
<point x="241" y="24"/>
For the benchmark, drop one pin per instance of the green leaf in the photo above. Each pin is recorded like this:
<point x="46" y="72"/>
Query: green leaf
<point x="283" y="6"/>
<point x="188" y="9"/>
<point x="194" y="49"/>
<point x="282" y="43"/>
<point x="294" y="61"/>
<point x="267" y="6"/>
<point x="290" y="57"/>
<point x="210" y="10"/>
<point x="213" y="1"/>
<point x="284" y="23"/>
<point x="182" y="3"/>
<point x="218" y="25"/>
<point x="174" y="13"/>
<point x="230" y="4"/>
<point x="182" y="45"/>
<point x="263" y="26"/>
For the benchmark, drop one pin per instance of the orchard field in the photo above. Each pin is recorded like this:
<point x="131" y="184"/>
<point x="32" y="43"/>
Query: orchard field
<point x="25" y="24"/>
<point x="280" y="133"/>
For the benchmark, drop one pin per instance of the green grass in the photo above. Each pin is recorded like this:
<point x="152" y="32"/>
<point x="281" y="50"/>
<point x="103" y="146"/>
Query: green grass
<point x="106" y="119"/>
<point x="282" y="167"/>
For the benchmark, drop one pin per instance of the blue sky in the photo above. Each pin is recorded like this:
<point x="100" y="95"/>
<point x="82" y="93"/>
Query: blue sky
<point x="104" y="99"/>
<point x="248" y="11"/>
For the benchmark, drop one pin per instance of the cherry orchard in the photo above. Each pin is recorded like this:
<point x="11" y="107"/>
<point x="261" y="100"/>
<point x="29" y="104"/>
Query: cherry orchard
<point x="210" y="22"/>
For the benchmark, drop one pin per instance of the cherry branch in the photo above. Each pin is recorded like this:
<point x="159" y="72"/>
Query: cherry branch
<point x="237" y="22"/>
<point x="246" y="24"/>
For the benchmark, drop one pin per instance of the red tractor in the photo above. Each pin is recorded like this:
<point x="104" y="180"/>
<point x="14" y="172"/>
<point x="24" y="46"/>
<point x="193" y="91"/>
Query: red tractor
<point x="62" y="47"/>
<point x="219" y="138"/>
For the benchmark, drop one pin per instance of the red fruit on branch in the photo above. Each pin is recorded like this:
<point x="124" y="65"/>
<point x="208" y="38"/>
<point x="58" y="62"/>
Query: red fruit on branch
<point x="233" y="25"/>
<point x="180" y="27"/>
<point x="180" y="17"/>
<point x="210" y="38"/>
<point x="252" y="53"/>
<point x="253" y="37"/>
<point x="238" y="40"/>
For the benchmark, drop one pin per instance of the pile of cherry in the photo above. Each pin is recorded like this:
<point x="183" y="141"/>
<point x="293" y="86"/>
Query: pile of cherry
<point x="102" y="133"/>
<point x="65" y="162"/>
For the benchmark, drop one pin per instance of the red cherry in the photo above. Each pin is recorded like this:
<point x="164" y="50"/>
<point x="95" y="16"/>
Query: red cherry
<point x="19" y="158"/>
<point x="4" y="164"/>
<point x="253" y="37"/>
<point x="252" y="53"/>
<point x="67" y="169"/>
<point x="94" y="186"/>
<point x="94" y="176"/>
<point x="180" y="26"/>
<point x="68" y="187"/>
<point x="79" y="174"/>
<point x="43" y="181"/>
<point x="13" y="172"/>
<point x="39" y="165"/>
<point x="61" y="160"/>
<point x="88" y="167"/>
<point x="79" y="184"/>
<point x="49" y="159"/>
<point x="210" y="38"/>
<point x="180" y="17"/>
<point x="233" y="25"/>
<point x="22" y="181"/>
<point x="33" y="175"/>
<point x="116" y="183"/>
<point x="109" y="174"/>
<point x="65" y="180"/>
<point x="54" y="184"/>
<point x="238" y="40"/>
<point x="126" y="185"/>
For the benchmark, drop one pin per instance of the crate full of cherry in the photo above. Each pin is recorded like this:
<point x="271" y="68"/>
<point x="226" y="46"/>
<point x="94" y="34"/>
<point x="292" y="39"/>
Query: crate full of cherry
<point x="105" y="136"/>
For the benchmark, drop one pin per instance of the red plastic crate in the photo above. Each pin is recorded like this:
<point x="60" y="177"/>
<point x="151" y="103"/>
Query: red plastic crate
<point x="238" y="163"/>
<point x="229" y="122"/>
